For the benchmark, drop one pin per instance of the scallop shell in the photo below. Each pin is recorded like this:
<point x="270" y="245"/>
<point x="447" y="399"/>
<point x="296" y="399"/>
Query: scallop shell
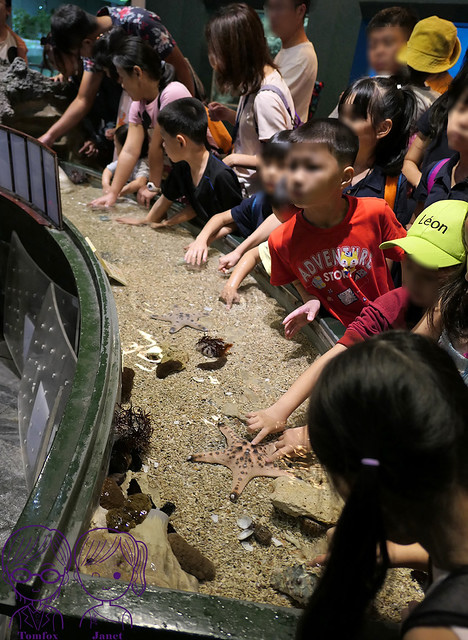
<point x="244" y="522"/>
<point x="243" y="535"/>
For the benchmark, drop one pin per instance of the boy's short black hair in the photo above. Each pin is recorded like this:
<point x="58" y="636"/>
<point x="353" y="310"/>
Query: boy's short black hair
<point x="69" y="26"/>
<point x="276" y="148"/>
<point x="341" y="142"/>
<point x="393" y="17"/>
<point x="187" y="117"/>
<point x="121" y="134"/>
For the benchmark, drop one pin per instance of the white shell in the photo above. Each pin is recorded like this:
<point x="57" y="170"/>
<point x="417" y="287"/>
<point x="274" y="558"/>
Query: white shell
<point x="243" y="535"/>
<point x="214" y="517"/>
<point x="145" y="468"/>
<point x="244" y="522"/>
<point x="277" y="542"/>
<point x="247" y="546"/>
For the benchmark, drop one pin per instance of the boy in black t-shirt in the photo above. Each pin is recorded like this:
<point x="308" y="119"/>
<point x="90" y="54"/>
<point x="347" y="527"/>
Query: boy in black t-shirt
<point x="208" y="184"/>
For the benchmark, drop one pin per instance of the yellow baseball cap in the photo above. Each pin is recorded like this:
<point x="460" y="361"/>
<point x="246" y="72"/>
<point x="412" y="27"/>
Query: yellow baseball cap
<point x="433" y="46"/>
<point x="435" y="239"/>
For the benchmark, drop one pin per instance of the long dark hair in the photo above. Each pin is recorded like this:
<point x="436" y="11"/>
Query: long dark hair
<point x="117" y="49"/>
<point x="388" y="418"/>
<point x="441" y="107"/>
<point x="237" y="41"/>
<point x="382" y="98"/>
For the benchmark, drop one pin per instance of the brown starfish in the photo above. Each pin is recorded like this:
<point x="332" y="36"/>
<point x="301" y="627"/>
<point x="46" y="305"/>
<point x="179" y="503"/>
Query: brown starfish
<point x="180" y="319"/>
<point x="245" y="460"/>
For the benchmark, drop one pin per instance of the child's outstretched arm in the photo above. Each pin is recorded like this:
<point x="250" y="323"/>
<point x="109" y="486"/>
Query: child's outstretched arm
<point x="186" y="214"/>
<point x="274" y="418"/>
<point x="106" y="180"/>
<point x="197" y="251"/>
<point x="303" y="315"/>
<point x="261" y="234"/>
<point x="248" y="262"/>
<point x="157" y="213"/>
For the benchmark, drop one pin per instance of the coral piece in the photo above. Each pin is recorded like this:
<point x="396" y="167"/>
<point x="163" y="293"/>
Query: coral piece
<point x="245" y="460"/>
<point x="190" y="559"/>
<point x="180" y="319"/>
<point x="111" y="495"/>
<point x="262" y="534"/>
<point x="133" y="511"/>
<point x="296" y="582"/>
<point x="213" y="347"/>
<point x="133" y="429"/>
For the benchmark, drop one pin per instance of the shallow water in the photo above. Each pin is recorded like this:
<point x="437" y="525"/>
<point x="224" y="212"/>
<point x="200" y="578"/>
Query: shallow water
<point x="260" y="366"/>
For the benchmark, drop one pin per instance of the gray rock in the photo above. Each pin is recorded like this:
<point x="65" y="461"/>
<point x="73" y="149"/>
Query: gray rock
<point x="314" y="499"/>
<point x="296" y="582"/>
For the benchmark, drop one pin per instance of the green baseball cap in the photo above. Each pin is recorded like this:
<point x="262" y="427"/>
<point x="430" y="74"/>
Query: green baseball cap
<point x="435" y="239"/>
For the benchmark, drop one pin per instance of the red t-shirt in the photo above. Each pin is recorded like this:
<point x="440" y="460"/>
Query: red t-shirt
<point x="342" y="265"/>
<point x="393" y="310"/>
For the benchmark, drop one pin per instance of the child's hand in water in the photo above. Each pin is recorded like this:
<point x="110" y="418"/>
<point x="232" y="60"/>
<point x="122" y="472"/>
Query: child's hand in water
<point x="293" y="443"/>
<point x="300" y="317"/>
<point x="265" y="421"/>
<point x="105" y="201"/>
<point x="160" y="225"/>
<point x="229" y="295"/>
<point x="132" y="221"/>
<point x="228" y="261"/>
<point x="196" y="252"/>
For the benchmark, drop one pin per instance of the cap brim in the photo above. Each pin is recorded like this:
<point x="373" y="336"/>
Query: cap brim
<point x="423" y="252"/>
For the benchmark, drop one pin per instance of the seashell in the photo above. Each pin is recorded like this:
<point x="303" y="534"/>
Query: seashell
<point x="247" y="546"/>
<point x="247" y="533"/>
<point x="277" y="542"/>
<point x="214" y="517"/>
<point x="213" y="347"/>
<point x="245" y="522"/>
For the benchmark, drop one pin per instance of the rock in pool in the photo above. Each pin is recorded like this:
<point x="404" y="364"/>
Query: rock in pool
<point x="296" y="582"/>
<point x="132" y="512"/>
<point x="111" y="495"/>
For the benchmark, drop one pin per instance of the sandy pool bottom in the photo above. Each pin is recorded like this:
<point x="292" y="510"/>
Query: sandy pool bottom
<point x="262" y="364"/>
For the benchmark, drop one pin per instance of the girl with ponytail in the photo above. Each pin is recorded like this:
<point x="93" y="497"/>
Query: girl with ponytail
<point x="388" y="419"/>
<point x="151" y="85"/>
<point x="381" y="113"/>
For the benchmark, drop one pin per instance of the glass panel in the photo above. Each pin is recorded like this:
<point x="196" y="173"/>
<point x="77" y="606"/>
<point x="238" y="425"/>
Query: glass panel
<point x="52" y="194"/>
<point x="36" y="175"/>
<point x="5" y="163"/>
<point x="45" y="386"/>
<point x="20" y="167"/>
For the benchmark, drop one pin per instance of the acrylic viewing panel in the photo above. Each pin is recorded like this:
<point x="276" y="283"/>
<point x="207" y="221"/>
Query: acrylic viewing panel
<point x="29" y="171"/>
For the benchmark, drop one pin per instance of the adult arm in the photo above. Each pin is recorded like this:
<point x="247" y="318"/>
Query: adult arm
<point x="106" y="180"/>
<point x="259" y="235"/>
<point x="182" y="69"/>
<point x="156" y="166"/>
<point x="414" y="158"/>
<point x="77" y="110"/>
<point x="127" y="160"/>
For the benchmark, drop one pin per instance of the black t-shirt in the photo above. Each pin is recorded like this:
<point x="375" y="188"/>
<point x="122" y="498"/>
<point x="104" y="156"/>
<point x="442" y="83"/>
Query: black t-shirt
<point x="442" y="188"/>
<point x="438" y="148"/>
<point x="218" y="190"/>
<point x="251" y="212"/>
<point x="373" y="186"/>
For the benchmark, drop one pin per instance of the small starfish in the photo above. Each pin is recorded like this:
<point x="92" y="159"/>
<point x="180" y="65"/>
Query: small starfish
<point x="180" y="319"/>
<point x="245" y="460"/>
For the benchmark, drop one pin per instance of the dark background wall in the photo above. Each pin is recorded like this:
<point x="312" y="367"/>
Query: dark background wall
<point x="334" y="27"/>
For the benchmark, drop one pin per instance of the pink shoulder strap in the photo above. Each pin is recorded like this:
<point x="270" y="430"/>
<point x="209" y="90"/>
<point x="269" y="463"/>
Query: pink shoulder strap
<point x="434" y="172"/>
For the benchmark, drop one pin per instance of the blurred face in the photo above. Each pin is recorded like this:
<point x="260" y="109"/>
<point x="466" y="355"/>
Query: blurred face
<point x="383" y="46"/>
<point x="313" y="174"/>
<point x="363" y="128"/>
<point x="174" y="147"/>
<point x="457" y="125"/>
<point x="131" y="82"/>
<point x="4" y="12"/>
<point x="285" y="16"/>
<point x="271" y="172"/>
<point x="423" y="284"/>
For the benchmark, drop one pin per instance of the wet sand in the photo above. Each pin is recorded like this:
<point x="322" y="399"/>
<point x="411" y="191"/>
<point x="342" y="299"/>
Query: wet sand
<point x="260" y="366"/>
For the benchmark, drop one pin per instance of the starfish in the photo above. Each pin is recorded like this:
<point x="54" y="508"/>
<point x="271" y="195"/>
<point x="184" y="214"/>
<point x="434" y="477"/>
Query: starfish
<point x="180" y="319"/>
<point x="245" y="460"/>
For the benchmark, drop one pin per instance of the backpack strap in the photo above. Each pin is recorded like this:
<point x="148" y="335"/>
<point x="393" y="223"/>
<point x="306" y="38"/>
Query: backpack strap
<point x="296" y="121"/>
<point x="392" y="184"/>
<point x="434" y="172"/>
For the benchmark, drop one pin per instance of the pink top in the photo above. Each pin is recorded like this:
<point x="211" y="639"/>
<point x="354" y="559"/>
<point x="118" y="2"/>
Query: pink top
<point x="173" y="91"/>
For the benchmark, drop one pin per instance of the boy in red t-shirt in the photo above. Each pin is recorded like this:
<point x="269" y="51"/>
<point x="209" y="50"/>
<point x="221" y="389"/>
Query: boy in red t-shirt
<point x="332" y="246"/>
